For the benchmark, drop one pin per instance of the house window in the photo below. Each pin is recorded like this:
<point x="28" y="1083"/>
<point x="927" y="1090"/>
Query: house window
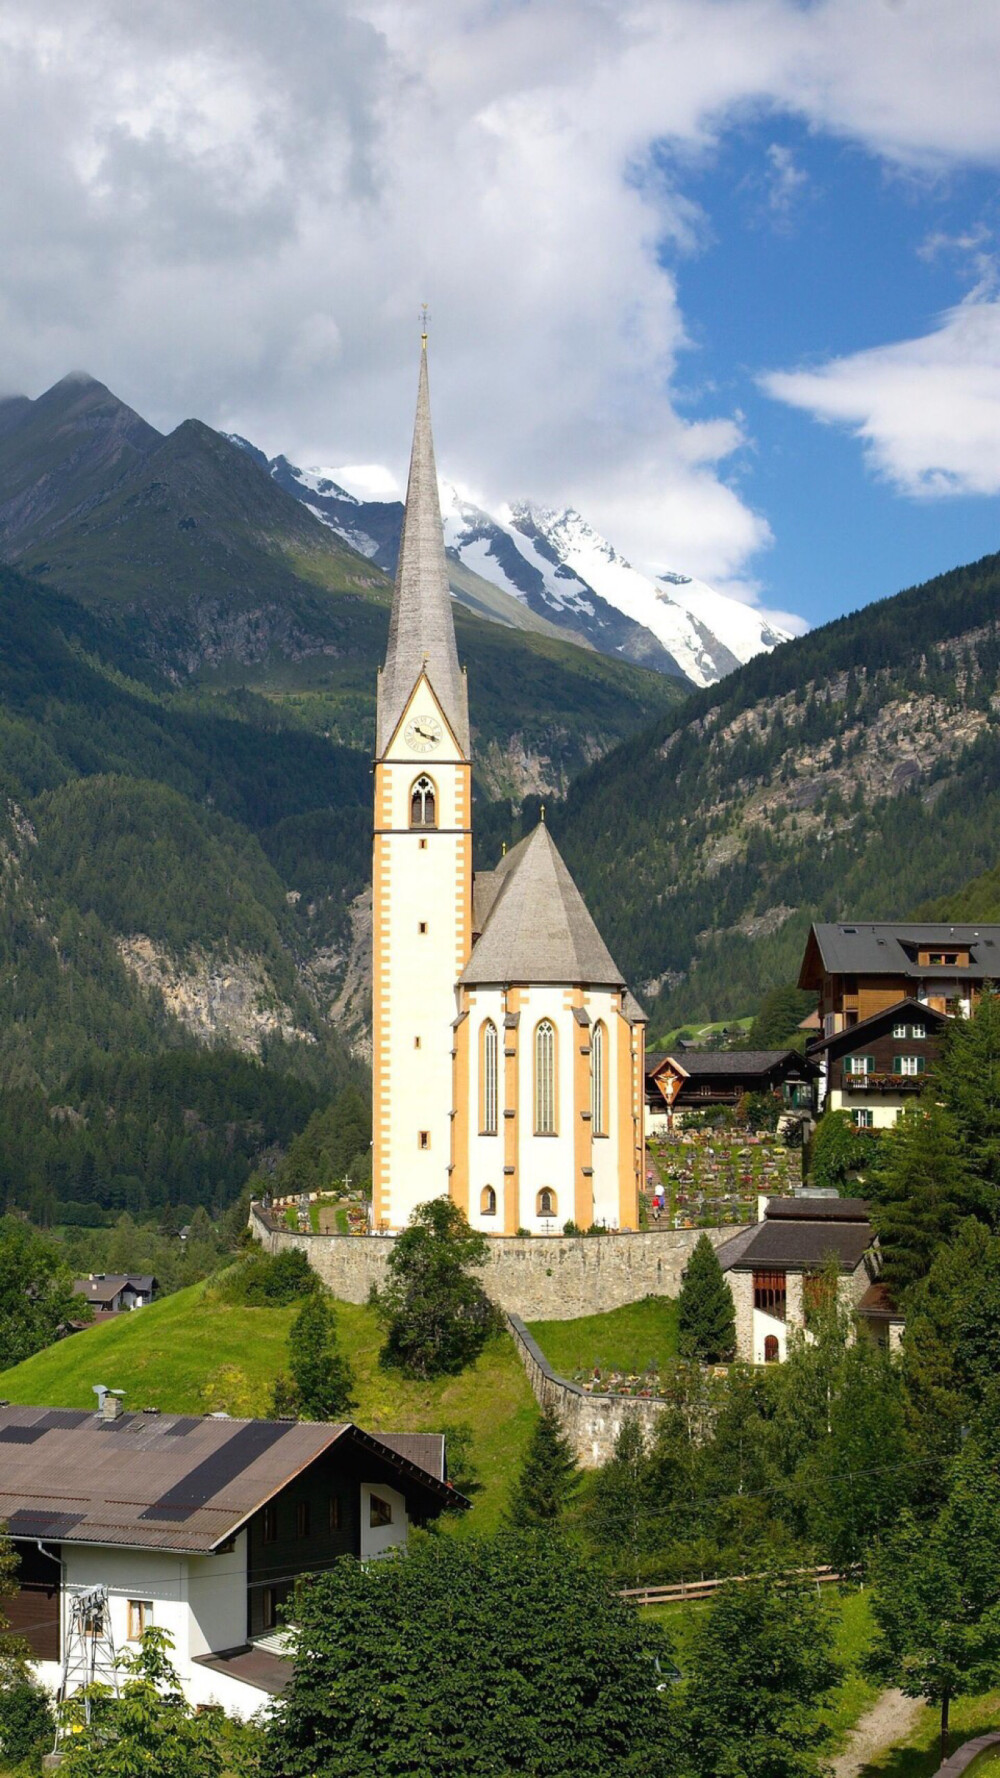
<point x="860" y="1064"/>
<point x="488" y="1201"/>
<point x="545" y="1079"/>
<point x="769" y="1293"/>
<point x="423" y="804"/>
<point x="334" y="1514"/>
<point x="908" y="1064"/>
<point x="140" y="1616"/>
<point x="302" y="1518"/>
<point x="489" y="1051"/>
<point x="269" y="1524"/>
<point x="942" y="959"/>
<point x="423" y="1139"/>
<point x="918" y="1031"/>
<point x="380" y="1512"/>
<point x="899" y="1030"/>
<point x="545" y="1203"/>
<point x="771" y="1349"/>
<point x="268" y="1608"/>
<point x="598" y="1116"/>
<point x="863" y="1119"/>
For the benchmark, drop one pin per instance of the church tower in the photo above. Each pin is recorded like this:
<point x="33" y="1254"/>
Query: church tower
<point x="422" y="862"/>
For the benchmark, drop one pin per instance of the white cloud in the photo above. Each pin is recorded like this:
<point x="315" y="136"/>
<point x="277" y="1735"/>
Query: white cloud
<point x="240" y="207"/>
<point x="927" y="410"/>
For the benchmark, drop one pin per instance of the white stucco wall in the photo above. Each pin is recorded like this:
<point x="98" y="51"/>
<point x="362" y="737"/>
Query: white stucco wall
<point x="884" y="1107"/>
<point x="378" y="1540"/>
<point x="425" y="883"/>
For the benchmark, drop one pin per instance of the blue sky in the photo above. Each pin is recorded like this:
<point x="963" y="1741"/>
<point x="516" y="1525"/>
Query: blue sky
<point x="811" y="249"/>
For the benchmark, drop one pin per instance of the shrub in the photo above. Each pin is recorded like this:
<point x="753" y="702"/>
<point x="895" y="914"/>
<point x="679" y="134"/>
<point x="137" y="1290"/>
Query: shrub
<point x="270" y="1280"/>
<point x="27" y="1725"/>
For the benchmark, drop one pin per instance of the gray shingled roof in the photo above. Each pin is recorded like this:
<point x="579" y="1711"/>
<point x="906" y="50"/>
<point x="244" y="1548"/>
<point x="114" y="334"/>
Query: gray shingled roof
<point x="879" y="948"/>
<point x="421" y="627"/>
<point x="164" y="1481"/>
<point x="539" y="928"/>
<point x="731" y="1062"/>
<point x="803" y="1246"/>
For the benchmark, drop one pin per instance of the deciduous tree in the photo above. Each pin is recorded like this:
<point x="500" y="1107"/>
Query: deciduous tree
<point x="436" y="1313"/>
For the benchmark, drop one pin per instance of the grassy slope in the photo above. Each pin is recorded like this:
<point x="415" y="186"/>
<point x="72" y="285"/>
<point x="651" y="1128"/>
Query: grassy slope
<point x="627" y="1339"/>
<point x="191" y="1353"/>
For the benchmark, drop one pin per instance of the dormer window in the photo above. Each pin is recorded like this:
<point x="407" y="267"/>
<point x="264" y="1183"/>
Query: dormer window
<point x="423" y="803"/>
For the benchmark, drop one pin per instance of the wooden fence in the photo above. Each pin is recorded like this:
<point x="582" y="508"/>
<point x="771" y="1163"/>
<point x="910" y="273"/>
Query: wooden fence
<point x="703" y="1589"/>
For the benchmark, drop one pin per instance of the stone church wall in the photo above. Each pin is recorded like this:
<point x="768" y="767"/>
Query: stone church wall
<point x="541" y="1278"/>
<point x="591" y="1422"/>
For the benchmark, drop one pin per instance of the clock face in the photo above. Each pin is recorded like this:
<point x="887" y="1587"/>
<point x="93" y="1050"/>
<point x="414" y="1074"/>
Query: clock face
<point x="423" y="733"/>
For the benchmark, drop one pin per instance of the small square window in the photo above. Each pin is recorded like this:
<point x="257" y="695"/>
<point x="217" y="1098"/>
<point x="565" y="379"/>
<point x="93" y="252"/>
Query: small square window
<point x="269" y="1523"/>
<point x="302" y="1518"/>
<point x="423" y="845"/>
<point x="334" y="1512"/>
<point x="140" y="1616"/>
<point x="423" y="1139"/>
<point x="416" y="1043"/>
<point x="380" y="1512"/>
<point x="422" y="927"/>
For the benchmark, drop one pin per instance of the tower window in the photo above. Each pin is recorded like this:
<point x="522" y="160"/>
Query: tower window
<point x="545" y="1079"/>
<point x="416" y="1043"/>
<point x="421" y="926"/>
<point x="423" y="1139"/>
<point x="488" y="1064"/>
<point x="423" y="803"/>
<point x="488" y="1201"/>
<point x="598" y="1116"/>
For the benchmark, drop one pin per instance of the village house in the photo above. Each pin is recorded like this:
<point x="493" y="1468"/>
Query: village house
<point x="112" y="1293"/>
<point x="858" y="968"/>
<point x="778" y="1270"/>
<point x="200" y="1525"/>
<point x="876" y="1068"/>
<point x="704" y="1080"/>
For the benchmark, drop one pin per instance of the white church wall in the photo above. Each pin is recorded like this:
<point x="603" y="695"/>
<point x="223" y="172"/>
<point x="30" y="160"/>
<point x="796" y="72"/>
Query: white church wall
<point x="486" y="1153"/>
<point x="607" y="1149"/>
<point x="546" y="1160"/>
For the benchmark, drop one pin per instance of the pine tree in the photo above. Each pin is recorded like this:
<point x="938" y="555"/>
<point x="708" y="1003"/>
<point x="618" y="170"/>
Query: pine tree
<point x="707" y="1315"/>
<point x="548" y="1477"/>
<point x="322" y="1380"/>
<point x="968" y="1080"/>
<point x="922" y="1191"/>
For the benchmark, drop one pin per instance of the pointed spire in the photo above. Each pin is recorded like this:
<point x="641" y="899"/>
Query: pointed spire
<point x="421" y="627"/>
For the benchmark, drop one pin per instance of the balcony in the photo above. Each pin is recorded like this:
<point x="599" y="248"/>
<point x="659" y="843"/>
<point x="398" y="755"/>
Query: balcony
<point x="884" y="1083"/>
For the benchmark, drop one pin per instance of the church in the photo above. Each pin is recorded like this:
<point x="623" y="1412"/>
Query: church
<point x="507" y="1049"/>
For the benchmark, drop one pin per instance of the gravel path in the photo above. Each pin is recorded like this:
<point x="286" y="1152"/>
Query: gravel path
<point x="890" y="1718"/>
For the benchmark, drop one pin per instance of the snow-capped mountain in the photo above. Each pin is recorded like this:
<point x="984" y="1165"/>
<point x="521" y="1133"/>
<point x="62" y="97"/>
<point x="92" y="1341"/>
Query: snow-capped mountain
<point x="560" y="568"/>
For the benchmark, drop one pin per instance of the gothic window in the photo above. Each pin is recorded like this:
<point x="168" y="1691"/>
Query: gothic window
<point x="546" y="1202"/>
<point x="423" y="803"/>
<point x="488" y="1201"/>
<point x="488" y="1054"/>
<point x="545" y="1079"/>
<point x="598" y="1101"/>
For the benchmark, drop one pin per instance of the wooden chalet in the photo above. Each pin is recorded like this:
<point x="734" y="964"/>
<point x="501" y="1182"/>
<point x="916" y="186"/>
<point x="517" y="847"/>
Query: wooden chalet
<point x="875" y="1068"/>
<point x="708" y="1079"/>
<point x="858" y="968"/>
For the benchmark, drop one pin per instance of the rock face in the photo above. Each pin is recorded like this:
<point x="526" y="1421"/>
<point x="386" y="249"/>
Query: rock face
<point x="219" y="999"/>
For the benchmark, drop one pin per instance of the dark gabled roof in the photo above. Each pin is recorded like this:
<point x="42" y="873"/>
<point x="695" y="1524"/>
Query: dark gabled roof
<point x="730" y="1062"/>
<point x="804" y="1245"/>
<point x="538" y="928"/>
<point x="885" y="947"/>
<point x="816" y="1209"/>
<point x="102" y="1287"/>
<point x="877" y="1304"/>
<point x="425" y="1449"/>
<point x="848" y="1038"/>
<point x="165" y="1481"/>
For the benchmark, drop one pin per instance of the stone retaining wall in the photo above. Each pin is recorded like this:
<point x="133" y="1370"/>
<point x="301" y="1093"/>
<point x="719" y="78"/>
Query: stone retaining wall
<point x="538" y="1277"/>
<point x="591" y="1422"/>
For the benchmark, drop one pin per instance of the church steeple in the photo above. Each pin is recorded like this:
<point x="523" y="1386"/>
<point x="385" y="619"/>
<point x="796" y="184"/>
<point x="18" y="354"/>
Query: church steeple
<point x="421" y="628"/>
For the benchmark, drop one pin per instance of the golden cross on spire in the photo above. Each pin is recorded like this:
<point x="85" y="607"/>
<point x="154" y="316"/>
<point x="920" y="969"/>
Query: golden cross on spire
<point x="425" y="316"/>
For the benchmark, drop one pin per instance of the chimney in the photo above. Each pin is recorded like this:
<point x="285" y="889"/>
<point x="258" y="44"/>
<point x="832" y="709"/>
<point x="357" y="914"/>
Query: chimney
<point x="109" y="1402"/>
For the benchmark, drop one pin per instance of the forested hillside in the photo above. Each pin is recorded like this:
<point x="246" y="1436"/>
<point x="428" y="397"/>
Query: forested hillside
<point x="855" y="771"/>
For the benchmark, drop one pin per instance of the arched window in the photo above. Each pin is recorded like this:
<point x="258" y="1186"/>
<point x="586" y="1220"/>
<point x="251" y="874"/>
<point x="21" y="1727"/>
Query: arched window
<point x="423" y="803"/>
<point x="488" y="1201"/>
<point x="771" y="1349"/>
<point x="545" y="1079"/>
<point x="488" y="1053"/>
<point x="598" y="1063"/>
<point x="545" y="1204"/>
